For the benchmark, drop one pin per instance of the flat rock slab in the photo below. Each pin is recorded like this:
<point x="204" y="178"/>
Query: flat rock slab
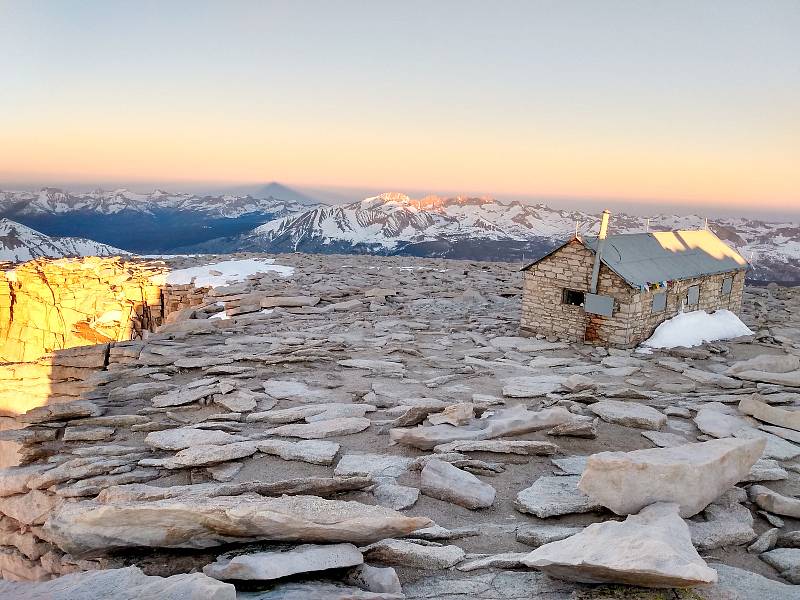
<point x="111" y="583"/>
<point x="692" y="476"/>
<point x="443" y="481"/>
<point x="378" y="366"/>
<point x="786" y="561"/>
<point x="603" y="552"/>
<point x="409" y="554"/>
<point x="523" y="447"/>
<point x="198" y="521"/>
<point x="201" y="456"/>
<point x="738" y="584"/>
<point x="533" y="387"/>
<point x="374" y="465"/>
<point x="774" y="502"/>
<point x="773" y="415"/>
<point x="315" y="452"/>
<point x="553" y="496"/>
<point x="505" y="422"/>
<point x="274" y="565"/>
<point x="181" y="438"/>
<point x="323" y="429"/>
<point x="61" y="412"/>
<point x="539" y="535"/>
<point x="630" y="414"/>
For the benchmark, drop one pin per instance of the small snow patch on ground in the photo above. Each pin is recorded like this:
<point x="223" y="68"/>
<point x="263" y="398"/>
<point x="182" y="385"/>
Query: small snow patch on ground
<point x="695" y="328"/>
<point x="223" y="273"/>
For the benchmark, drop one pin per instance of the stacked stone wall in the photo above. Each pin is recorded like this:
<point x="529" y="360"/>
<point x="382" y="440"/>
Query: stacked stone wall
<point x="543" y="310"/>
<point x="633" y="321"/>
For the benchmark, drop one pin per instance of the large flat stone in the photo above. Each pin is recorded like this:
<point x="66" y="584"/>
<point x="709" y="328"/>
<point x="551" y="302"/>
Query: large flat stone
<point x="770" y="414"/>
<point x="127" y="583"/>
<point x="409" y="554"/>
<point x="181" y="438"/>
<point x="553" y="496"/>
<point x="630" y="414"/>
<point x="323" y="429"/>
<point x="692" y="476"/>
<point x="774" y="502"/>
<point x="651" y="549"/>
<point x="91" y="527"/>
<point x="274" y="565"/>
<point x="445" y="482"/>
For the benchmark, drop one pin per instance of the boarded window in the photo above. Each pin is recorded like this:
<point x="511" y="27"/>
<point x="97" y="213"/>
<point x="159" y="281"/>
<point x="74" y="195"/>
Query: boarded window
<point x="573" y="297"/>
<point x="693" y="295"/>
<point x="727" y="286"/>
<point x="659" y="302"/>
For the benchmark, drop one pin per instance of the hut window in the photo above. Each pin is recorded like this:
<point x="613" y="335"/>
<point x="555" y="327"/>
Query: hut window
<point x="727" y="286"/>
<point x="693" y="295"/>
<point x="659" y="301"/>
<point x="573" y="297"/>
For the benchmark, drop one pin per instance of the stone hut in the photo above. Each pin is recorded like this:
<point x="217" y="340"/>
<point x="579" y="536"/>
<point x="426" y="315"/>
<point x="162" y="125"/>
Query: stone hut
<point x="615" y="290"/>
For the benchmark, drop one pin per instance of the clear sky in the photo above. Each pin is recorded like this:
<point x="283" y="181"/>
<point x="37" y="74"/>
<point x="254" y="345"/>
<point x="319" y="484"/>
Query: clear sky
<point x="693" y="101"/>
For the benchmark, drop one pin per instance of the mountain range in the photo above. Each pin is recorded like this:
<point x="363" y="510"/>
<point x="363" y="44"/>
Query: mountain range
<point x="391" y="223"/>
<point x="19" y="243"/>
<point x="154" y="222"/>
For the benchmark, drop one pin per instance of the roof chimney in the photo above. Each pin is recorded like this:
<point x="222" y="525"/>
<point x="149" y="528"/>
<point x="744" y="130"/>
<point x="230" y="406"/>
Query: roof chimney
<point x="601" y="242"/>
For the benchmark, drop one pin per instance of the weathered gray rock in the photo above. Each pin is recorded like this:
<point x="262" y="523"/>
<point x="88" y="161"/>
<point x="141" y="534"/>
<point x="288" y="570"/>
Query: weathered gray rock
<point x="289" y="301"/>
<point x="62" y="412"/>
<point x="274" y="565"/>
<point x="31" y="508"/>
<point x="394" y="496"/>
<point x="316" y="452"/>
<point x="445" y="482"/>
<point x="770" y="363"/>
<point x="538" y="535"/>
<point x="630" y="414"/>
<point x="410" y="554"/>
<point x="374" y="465"/>
<point x="181" y="438"/>
<point x="317" y="590"/>
<point x="532" y="387"/>
<point x="727" y="523"/>
<point x="791" y="379"/>
<point x="505" y="422"/>
<point x="601" y="553"/>
<point x="770" y="414"/>
<point x="129" y="583"/>
<point x="774" y="502"/>
<point x="766" y="541"/>
<point x="506" y="560"/>
<point x="323" y="429"/>
<point x="553" y="496"/>
<point x="714" y="379"/>
<point x="376" y="366"/>
<point x="523" y="447"/>
<point x="786" y="561"/>
<point x="202" y="456"/>
<point x="198" y="521"/>
<point x="663" y="439"/>
<point x="374" y="579"/>
<point x="691" y="476"/>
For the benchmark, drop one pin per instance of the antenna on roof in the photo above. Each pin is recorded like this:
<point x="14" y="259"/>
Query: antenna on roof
<point x="647" y="225"/>
<point x="576" y="227"/>
<point x="706" y="220"/>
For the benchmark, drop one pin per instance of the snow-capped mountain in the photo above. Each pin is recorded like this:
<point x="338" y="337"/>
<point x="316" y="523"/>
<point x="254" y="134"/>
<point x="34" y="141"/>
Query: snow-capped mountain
<point x="156" y="221"/>
<point x="485" y="229"/>
<point x="19" y="243"/>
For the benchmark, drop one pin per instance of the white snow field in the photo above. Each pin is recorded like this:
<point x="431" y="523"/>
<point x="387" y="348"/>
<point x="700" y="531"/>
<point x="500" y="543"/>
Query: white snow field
<point x="695" y="328"/>
<point x="223" y="273"/>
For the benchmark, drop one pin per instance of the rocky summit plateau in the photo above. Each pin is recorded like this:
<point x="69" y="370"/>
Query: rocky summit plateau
<point x="329" y="427"/>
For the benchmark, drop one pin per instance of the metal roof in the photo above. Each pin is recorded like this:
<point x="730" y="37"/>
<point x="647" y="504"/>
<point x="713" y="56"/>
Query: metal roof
<point x="641" y="258"/>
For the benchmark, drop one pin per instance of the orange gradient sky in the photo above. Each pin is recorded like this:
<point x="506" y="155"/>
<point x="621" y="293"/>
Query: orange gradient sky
<point x="686" y="102"/>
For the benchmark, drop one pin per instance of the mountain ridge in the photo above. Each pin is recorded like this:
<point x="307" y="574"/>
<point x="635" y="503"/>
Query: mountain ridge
<point x="19" y="243"/>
